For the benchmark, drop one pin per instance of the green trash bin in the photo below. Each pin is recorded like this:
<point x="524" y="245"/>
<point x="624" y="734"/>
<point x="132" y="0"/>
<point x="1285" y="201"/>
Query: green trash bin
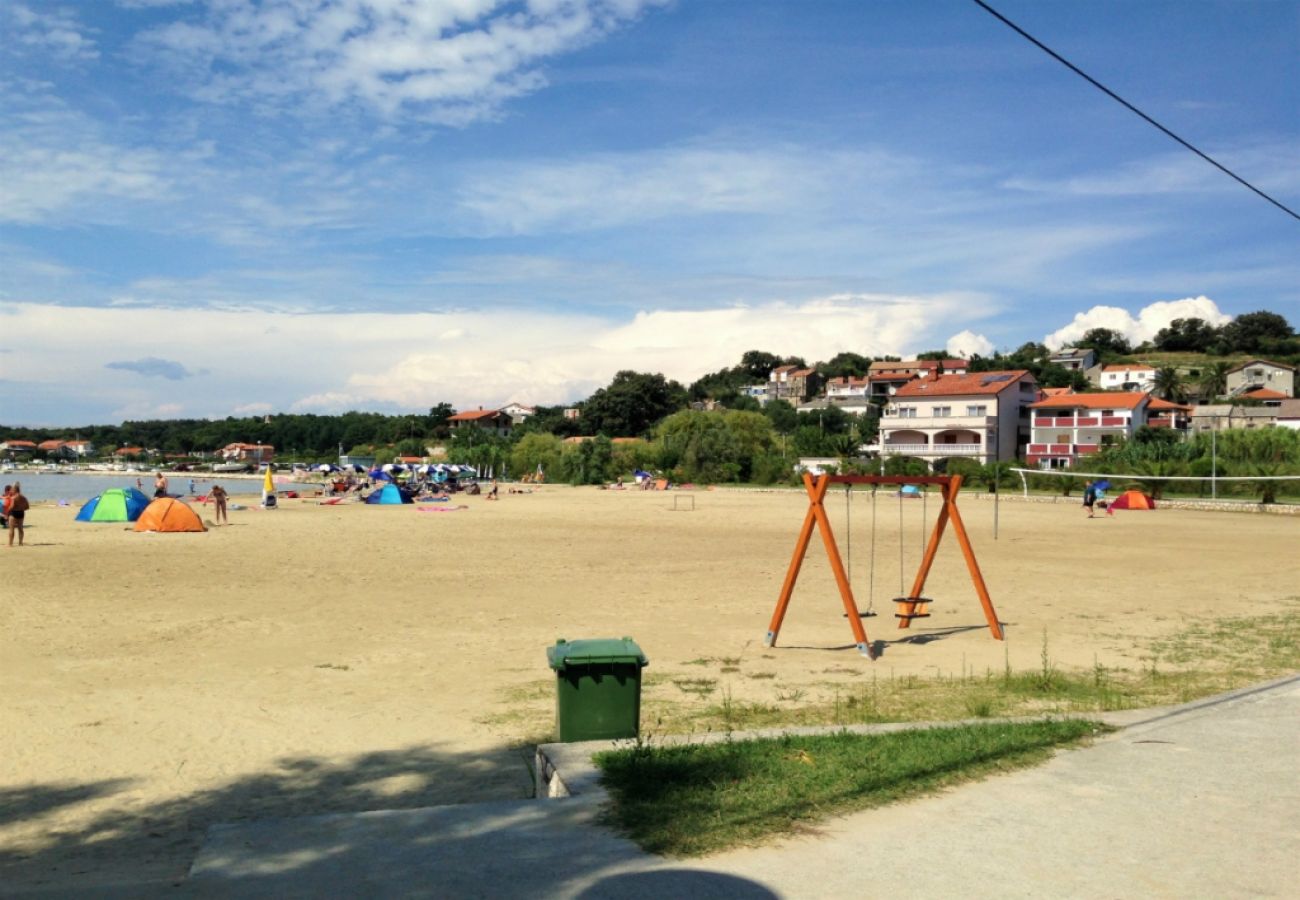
<point x="597" y="688"/>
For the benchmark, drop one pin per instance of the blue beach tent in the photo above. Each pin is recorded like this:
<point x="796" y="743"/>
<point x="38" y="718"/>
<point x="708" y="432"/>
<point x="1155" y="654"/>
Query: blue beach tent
<point x="114" y="505"/>
<point x="389" y="494"/>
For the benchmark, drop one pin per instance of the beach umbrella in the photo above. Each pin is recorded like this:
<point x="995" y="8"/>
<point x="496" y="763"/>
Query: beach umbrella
<point x="325" y="467"/>
<point x="268" y="485"/>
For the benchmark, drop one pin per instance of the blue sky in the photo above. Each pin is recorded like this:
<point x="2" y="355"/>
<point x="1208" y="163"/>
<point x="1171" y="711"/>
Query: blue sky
<point x="235" y="207"/>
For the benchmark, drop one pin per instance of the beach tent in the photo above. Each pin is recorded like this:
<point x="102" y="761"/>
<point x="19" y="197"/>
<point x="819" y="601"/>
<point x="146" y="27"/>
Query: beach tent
<point x="389" y="494"/>
<point x="114" y="505"/>
<point x="166" y="514"/>
<point x="1133" y="500"/>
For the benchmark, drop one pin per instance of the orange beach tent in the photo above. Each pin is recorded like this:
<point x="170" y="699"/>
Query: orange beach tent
<point x="1133" y="500"/>
<point x="168" y="514"/>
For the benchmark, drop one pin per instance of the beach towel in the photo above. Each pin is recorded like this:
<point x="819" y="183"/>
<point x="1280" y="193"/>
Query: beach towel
<point x="440" y="508"/>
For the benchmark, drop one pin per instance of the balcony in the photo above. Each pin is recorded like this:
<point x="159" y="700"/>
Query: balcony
<point x="928" y="423"/>
<point x="929" y="449"/>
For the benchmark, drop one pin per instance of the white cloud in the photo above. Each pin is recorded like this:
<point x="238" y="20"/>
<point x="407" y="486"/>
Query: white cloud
<point x="610" y="189"/>
<point x="334" y="362"/>
<point x="53" y="33"/>
<point x="964" y="344"/>
<point x="447" y="61"/>
<point x="1142" y="327"/>
<point x="55" y="162"/>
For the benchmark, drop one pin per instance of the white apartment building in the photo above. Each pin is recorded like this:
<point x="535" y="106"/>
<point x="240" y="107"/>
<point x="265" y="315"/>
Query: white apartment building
<point x="980" y="416"/>
<point x="1065" y="428"/>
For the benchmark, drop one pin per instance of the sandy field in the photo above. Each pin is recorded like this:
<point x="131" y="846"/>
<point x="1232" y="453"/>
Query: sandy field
<point x="315" y="658"/>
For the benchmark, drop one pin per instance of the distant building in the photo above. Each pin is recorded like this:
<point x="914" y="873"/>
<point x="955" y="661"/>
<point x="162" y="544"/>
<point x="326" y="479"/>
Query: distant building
<point x="518" y="413"/>
<point x="980" y="416"/>
<point x="1126" y="377"/>
<point x="490" y="420"/>
<point x="1066" y="428"/>
<point x="1260" y="374"/>
<point x="254" y="453"/>
<point x="1076" y="359"/>
<point x="18" y="448"/>
<point x="793" y="384"/>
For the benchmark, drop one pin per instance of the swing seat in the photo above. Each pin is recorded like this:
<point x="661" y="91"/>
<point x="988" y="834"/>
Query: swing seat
<point x="912" y="604"/>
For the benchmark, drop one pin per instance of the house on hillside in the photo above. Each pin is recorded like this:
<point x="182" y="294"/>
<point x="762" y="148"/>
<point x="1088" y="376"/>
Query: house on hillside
<point x="518" y="413"/>
<point x="981" y="416"/>
<point x="1125" y="377"/>
<point x="1260" y="374"/>
<point x="1076" y="359"/>
<point x="846" y="386"/>
<point x="491" y="420"/>
<point x="793" y="384"/>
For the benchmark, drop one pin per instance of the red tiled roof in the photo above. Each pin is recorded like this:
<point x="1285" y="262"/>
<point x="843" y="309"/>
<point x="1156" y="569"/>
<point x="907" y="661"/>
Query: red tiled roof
<point x="1126" y="399"/>
<point x="1261" y="393"/>
<point x="475" y="414"/>
<point x="1057" y="392"/>
<point x="963" y="385"/>
<point x="1117" y="400"/>
<point x="20" y="443"/>
<point x="901" y="376"/>
<point x="1157" y="403"/>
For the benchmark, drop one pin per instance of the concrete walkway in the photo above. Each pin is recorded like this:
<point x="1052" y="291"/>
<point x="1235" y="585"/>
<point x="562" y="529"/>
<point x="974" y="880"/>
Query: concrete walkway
<point x="1199" y="801"/>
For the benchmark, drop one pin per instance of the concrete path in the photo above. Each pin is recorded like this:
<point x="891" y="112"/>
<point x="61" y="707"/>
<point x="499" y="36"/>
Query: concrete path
<point x="1202" y="801"/>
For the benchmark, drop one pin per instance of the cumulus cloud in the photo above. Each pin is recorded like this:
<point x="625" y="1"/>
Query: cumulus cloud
<point x="452" y="63"/>
<point x="1142" y="327"/>
<point x="323" y="362"/>
<point x="967" y="343"/>
<point x="153" y="367"/>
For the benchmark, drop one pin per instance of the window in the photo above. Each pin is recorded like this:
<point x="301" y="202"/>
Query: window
<point x="905" y="412"/>
<point x="1062" y="439"/>
<point x="942" y="411"/>
<point x="1108" y="412"/>
<point x="980" y="410"/>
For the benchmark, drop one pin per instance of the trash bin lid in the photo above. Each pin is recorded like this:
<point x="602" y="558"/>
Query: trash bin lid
<point x="593" y="652"/>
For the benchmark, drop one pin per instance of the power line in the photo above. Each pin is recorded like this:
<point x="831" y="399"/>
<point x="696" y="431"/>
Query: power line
<point x="1116" y="97"/>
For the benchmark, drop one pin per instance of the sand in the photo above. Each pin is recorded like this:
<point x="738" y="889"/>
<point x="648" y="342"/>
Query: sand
<point x="317" y="658"/>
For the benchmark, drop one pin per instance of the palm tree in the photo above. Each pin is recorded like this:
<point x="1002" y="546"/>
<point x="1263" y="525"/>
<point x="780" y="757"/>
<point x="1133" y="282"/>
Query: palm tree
<point x="1169" y="384"/>
<point x="1214" y="381"/>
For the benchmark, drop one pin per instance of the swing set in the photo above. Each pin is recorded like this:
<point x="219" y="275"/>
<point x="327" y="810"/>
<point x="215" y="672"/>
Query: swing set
<point x="913" y="605"/>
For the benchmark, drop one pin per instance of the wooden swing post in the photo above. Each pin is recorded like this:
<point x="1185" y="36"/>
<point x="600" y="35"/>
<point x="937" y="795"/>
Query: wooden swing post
<point x="910" y="607"/>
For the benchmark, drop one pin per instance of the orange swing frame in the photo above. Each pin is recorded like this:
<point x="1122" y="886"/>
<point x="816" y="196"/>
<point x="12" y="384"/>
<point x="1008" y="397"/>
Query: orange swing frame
<point x="913" y="606"/>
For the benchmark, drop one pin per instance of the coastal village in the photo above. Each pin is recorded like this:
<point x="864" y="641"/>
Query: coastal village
<point x="933" y="410"/>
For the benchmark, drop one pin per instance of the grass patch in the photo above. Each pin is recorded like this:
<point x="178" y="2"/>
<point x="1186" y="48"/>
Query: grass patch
<point x="694" y="799"/>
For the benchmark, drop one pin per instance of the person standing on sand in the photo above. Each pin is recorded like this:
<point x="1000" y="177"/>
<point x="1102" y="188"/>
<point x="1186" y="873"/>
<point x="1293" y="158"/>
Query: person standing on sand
<point x="218" y="495"/>
<point x="160" y="485"/>
<point x="4" y="509"/>
<point x="17" y="511"/>
<point x="1089" y="498"/>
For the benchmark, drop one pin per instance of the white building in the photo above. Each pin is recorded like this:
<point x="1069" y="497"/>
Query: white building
<point x="1127" y="377"/>
<point x="980" y="416"/>
<point x="1067" y="427"/>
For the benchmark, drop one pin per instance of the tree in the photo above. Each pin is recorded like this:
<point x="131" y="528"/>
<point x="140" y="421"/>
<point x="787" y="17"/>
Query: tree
<point x="845" y="364"/>
<point x="1186" y="335"/>
<point x="759" y="364"/>
<point x="1214" y="381"/>
<point x="1259" y="332"/>
<point x="1169" y="384"/>
<point x="631" y="404"/>
<point x="783" y="416"/>
<point x="1106" y="341"/>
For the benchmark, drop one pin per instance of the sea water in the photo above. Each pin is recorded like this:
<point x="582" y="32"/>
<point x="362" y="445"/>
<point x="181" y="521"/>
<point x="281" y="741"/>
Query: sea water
<point x="41" y="487"/>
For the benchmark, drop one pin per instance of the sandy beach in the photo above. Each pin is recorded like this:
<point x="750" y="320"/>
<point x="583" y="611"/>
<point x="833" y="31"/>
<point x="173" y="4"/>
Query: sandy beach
<point x="318" y="658"/>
